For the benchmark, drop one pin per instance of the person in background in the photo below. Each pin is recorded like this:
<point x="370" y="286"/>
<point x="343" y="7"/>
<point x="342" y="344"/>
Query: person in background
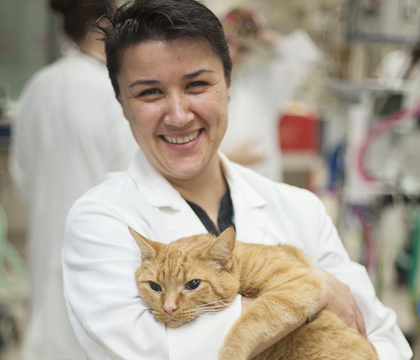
<point x="171" y="71"/>
<point x="262" y="88"/>
<point x="68" y="134"/>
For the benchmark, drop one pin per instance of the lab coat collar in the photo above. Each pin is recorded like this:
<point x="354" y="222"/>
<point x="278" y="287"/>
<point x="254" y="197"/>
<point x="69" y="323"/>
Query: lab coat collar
<point x="157" y="190"/>
<point x="250" y="225"/>
<point x="160" y="193"/>
<point x="238" y="186"/>
<point x="93" y="57"/>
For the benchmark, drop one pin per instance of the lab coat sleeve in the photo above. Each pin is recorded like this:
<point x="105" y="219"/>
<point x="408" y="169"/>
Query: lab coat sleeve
<point x="99" y="261"/>
<point x="109" y="318"/>
<point x="381" y="322"/>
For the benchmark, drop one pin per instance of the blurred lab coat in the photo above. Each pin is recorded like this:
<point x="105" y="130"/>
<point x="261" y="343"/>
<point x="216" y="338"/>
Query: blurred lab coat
<point x="261" y="92"/>
<point x="68" y="134"/>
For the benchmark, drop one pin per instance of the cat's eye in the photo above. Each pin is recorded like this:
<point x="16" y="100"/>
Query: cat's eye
<point x="155" y="287"/>
<point x="193" y="284"/>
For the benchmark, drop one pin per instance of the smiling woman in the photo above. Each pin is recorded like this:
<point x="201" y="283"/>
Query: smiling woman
<point x="175" y="96"/>
<point x="169" y="63"/>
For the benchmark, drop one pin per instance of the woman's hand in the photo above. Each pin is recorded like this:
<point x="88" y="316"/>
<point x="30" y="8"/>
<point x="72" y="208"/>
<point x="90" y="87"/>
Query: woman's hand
<point x="245" y="302"/>
<point x="338" y="299"/>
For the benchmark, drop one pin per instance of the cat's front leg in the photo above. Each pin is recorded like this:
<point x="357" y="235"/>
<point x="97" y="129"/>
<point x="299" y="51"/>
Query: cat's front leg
<point x="272" y="315"/>
<point x="235" y="350"/>
<point x="248" y="332"/>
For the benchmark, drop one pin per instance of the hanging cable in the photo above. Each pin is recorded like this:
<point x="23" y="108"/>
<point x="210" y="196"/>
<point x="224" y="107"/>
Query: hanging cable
<point x="381" y="127"/>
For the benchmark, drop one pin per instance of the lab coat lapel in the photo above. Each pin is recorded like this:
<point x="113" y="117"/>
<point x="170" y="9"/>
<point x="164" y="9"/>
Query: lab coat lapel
<point x="185" y="223"/>
<point x="179" y="217"/>
<point x="250" y="225"/>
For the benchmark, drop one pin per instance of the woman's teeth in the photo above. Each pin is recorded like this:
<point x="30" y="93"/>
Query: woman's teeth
<point x="181" y="140"/>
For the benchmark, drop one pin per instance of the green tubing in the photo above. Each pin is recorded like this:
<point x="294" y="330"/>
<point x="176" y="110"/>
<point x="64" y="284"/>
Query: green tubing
<point x="13" y="272"/>
<point x="414" y="273"/>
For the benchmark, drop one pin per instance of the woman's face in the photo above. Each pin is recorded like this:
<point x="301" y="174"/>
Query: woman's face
<point x="175" y="97"/>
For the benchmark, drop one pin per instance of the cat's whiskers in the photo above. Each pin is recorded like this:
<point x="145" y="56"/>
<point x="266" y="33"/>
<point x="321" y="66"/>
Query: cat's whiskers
<point x="209" y="311"/>
<point x="218" y="303"/>
<point x="214" y="306"/>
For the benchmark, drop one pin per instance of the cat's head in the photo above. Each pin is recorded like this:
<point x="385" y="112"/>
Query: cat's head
<point x="187" y="277"/>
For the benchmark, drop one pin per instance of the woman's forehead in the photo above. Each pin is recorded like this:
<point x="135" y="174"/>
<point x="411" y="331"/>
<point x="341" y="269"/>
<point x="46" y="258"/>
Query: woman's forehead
<point x="176" y="56"/>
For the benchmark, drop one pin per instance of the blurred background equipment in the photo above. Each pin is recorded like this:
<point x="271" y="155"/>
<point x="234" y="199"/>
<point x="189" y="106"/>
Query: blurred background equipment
<point x="393" y="21"/>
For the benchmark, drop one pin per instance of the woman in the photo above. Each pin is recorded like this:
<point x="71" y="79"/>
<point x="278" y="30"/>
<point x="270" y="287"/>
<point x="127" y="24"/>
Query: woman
<point x="170" y="67"/>
<point x="69" y="133"/>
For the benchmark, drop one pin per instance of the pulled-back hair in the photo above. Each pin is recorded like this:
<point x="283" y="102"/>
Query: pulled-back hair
<point x="160" y="20"/>
<point x="78" y="14"/>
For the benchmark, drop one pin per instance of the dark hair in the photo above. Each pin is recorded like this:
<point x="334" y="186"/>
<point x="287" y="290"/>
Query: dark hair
<point x="78" y="14"/>
<point x="159" y="20"/>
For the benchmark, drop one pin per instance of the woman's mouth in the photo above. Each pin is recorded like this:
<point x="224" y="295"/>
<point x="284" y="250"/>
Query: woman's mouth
<point x="181" y="140"/>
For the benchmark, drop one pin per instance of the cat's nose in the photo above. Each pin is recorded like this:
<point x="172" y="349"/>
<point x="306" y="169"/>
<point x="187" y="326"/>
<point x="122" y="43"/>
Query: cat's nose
<point x="170" y="309"/>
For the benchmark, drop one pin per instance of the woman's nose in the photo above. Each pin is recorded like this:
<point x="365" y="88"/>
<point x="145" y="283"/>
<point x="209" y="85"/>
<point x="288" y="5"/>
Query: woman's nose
<point x="179" y="112"/>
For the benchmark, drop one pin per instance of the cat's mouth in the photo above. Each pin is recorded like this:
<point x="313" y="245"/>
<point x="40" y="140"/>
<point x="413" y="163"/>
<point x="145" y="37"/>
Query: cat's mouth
<point x="174" y="323"/>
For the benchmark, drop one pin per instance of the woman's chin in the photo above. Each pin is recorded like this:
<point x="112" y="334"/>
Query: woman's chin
<point x="185" y="168"/>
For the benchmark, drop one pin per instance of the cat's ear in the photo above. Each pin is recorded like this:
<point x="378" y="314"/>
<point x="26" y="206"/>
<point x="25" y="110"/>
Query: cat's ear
<point x="221" y="250"/>
<point x="148" y="248"/>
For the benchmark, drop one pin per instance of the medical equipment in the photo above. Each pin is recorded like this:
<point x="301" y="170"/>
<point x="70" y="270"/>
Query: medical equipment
<point x="390" y="21"/>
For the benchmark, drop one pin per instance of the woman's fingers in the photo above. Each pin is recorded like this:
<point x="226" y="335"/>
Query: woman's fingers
<point x="339" y="299"/>
<point x="360" y="321"/>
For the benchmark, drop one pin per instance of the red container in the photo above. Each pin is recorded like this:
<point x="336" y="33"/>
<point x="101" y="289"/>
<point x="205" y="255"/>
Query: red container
<point x="299" y="133"/>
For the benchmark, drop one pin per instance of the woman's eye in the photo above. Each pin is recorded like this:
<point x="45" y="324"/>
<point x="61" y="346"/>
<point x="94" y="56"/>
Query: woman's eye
<point x="193" y="284"/>
<point x="197" y="84"/>
<point x="149" y="92"/>
<point x="155" y="287"/>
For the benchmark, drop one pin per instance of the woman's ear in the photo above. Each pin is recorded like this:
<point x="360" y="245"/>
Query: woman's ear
<point x="229" y="89"/>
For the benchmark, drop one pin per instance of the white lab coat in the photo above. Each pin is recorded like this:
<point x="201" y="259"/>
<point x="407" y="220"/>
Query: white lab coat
<point x="260" y="93"/>
<point x="68" y="134"/>
<point x="100" y="258"/>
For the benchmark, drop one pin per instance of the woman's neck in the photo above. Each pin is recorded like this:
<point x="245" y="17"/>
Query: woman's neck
<point x="206" y="190"/>
<point x="92" y="46"/>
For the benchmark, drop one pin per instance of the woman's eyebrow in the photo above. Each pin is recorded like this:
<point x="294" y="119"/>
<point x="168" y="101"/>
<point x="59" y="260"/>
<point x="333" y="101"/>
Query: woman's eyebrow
<point x="144" y="82"/>
<point x="196" y="73"/>
<point x="154" y="82"/>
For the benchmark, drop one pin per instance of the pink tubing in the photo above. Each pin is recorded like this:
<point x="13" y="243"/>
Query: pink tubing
<point x="384" y="125"/>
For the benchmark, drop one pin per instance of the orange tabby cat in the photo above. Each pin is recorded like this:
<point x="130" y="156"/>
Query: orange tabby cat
<point x="202" y="273"/>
